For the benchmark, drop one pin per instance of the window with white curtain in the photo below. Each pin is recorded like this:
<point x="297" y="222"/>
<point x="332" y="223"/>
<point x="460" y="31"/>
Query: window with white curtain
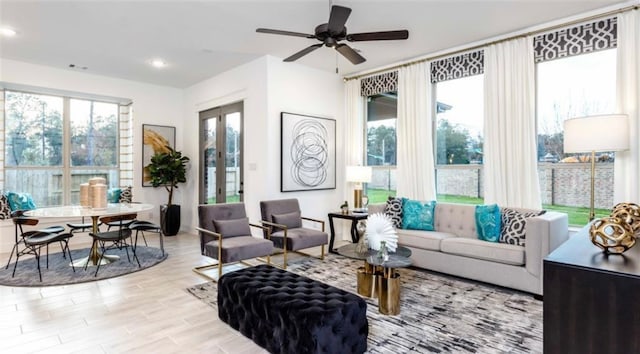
<point x="381" y="114"/>
<point x="575" y="86"/>
<point x="459" y="94"/>
<point x="54" y="143"/>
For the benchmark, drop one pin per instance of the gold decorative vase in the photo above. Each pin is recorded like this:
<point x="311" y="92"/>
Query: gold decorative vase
<point x="612" y="235"/>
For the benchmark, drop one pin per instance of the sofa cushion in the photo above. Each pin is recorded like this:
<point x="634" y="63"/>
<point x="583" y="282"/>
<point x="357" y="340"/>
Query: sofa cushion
<point x="291" y="220"/>
<point x="5" y="210"/>
<point x="488" y="222"/>
<point x="490" y="251"/>
<point x="233" y="227"/>
<point x="20" y="201"/>
<point x="457" y="219"/>
<point x="421" y="239"/>
<point x="126" y="195"/>
<point x="417" y="215"/>
<point x="393" y="209"/>
<point x="113" y="195"/>
<point x="514" y="224"/>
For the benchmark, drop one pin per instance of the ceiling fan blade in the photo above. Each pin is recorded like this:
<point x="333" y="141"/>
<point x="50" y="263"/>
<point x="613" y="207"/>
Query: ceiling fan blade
<point x="303" y="52"/>
<point x="350" y="54"/>
<point x="378" y="36"/>
<point x="338" y="18"/>
<point x="285" y="33"/>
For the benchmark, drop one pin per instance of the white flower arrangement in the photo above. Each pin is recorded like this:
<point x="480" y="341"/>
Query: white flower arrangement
<point x="380" y="228"/>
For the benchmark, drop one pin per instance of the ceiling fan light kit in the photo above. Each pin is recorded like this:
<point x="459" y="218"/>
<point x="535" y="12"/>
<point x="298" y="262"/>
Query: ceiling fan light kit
<point x="334" y="31"/>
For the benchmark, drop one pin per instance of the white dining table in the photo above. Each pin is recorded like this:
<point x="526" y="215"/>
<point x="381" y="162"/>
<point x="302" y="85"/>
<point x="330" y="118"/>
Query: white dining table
<point x="76" y="211"/>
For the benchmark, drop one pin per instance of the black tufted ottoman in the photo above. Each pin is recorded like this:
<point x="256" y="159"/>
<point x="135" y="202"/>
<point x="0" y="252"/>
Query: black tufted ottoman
<point x="288" y="313"/>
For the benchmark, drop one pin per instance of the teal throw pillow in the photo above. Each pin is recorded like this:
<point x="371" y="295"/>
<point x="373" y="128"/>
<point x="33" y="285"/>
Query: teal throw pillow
<point x="488" y="222"/>
<point x="20" y="201"/>
<point x="113" y="195"/>
<point x="417" y="215"/>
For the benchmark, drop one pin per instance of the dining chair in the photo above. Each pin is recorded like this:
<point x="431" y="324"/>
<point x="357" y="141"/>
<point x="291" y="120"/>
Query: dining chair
<point x="142" y="226"/>
<point x="18" y="221"/>
<point x="34" y="240"/>
<point x="285" y="222"/>
<point x="225" y="235"/>
<point x="116" y="238"/>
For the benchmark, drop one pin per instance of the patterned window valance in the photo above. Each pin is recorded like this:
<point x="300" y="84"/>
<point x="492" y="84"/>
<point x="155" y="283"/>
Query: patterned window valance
<point x="373" y="85"/>
<point x="585" y="38"/>
<point x="457" y="67"/>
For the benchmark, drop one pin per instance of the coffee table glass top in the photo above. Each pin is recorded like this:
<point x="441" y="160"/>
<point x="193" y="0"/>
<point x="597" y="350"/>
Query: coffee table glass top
<point x="394" y="261"/>
<point x="349" y="251"/>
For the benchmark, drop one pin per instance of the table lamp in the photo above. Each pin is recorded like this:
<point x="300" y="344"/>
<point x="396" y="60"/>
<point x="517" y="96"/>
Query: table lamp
<point x="607" y="132"/>
<point x="359" y="175"/>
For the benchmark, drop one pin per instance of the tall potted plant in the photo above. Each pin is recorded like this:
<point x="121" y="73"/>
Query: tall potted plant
<point x="167" y="169"/>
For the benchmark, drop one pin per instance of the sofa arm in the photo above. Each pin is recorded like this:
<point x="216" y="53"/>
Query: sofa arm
<point x="544" y="234"/>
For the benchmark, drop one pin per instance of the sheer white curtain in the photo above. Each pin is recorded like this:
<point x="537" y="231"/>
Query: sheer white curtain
<point x="354" y="130"/>
<point x="627" y="163"/>
<point x="510" y="166"/>
<point x="415" y="168"/>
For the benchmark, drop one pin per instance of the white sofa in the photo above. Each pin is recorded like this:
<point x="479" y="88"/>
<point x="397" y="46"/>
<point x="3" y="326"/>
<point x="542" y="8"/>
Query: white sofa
<point x="454" y="247"/>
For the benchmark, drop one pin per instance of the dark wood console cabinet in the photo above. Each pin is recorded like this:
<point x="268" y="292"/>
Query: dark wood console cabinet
<point x="591" y="300"/>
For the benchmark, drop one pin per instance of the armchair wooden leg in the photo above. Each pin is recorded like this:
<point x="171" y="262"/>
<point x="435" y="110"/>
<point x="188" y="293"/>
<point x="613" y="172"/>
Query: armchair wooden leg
<point x="219" y="269"/>
<point x="322" y="253"/>
<point x="269" y="259"/>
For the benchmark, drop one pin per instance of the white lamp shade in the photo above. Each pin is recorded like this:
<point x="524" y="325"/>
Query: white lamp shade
<point x="608" y="132"/>
<point x="359" y="174"/>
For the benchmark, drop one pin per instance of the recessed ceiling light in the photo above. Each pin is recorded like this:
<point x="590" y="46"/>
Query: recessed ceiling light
<point x="7" y="32"/>
<point x="158" y="63"/>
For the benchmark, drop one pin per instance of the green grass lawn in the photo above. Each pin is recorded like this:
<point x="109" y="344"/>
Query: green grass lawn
<point x="577" y="216"/>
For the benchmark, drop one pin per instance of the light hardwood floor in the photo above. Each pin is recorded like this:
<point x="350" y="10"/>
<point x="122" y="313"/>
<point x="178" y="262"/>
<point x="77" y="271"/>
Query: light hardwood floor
<point x="145" y="312"/>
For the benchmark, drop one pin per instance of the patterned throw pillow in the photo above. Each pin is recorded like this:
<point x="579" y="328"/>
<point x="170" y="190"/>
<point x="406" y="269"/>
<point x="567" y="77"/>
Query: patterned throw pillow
<point x="393" y="210"/>
<point x="417" y="215"/>
<point x="488" y="222"/>
<point x="126" y="196"/>
<point x="5" y="210"/>
<point x="514" y="225"/>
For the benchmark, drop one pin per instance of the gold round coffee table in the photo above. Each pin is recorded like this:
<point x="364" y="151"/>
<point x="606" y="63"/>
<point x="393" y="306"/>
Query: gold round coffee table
<point x="388" y="283"/>
<point x="368" y="283"/>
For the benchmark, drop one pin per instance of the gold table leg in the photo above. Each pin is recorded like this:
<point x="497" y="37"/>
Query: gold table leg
<point x="389" y="292"/>
<point x="94" y="255"/>
<point x="367" y="281"/>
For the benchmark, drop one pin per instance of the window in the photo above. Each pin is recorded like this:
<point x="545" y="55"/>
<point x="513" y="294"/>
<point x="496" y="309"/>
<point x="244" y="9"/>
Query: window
<point x="459" y="112"/>
<point x="48" y="160"/>
<point x="382" y="113"/>
<point x="575" y="86"/>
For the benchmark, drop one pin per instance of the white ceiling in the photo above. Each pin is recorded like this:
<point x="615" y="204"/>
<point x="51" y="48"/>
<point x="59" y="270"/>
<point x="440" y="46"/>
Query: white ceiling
<point x="200" y="39"/>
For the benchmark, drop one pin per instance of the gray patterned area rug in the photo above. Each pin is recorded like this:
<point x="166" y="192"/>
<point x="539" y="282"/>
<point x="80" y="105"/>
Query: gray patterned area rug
<point x="60" y="273"/>
<point x="439" y="313"/>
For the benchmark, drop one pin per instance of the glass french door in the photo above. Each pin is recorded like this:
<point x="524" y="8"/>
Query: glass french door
<point x="221" y="178"/>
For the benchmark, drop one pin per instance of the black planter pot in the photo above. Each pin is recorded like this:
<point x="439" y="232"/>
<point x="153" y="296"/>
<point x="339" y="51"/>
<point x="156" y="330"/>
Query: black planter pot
<point x="170" y="219"/>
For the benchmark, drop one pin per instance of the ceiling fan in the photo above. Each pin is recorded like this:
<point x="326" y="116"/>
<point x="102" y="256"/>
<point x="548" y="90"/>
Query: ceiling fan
<point x="335" y="31"/>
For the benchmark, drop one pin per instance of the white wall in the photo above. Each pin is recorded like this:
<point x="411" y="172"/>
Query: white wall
<point x="151" y="105"/>
<point x="267" y="86"/>
<point x="295" y="88"/>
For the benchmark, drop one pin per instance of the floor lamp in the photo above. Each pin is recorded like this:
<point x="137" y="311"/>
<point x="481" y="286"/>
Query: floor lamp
<point x="608" y="132"/>
<point x="359" y="175"/>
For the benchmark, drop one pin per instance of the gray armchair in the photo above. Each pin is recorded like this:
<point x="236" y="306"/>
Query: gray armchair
<point x="225" y="235"/>
<point x="284" y="219"/>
